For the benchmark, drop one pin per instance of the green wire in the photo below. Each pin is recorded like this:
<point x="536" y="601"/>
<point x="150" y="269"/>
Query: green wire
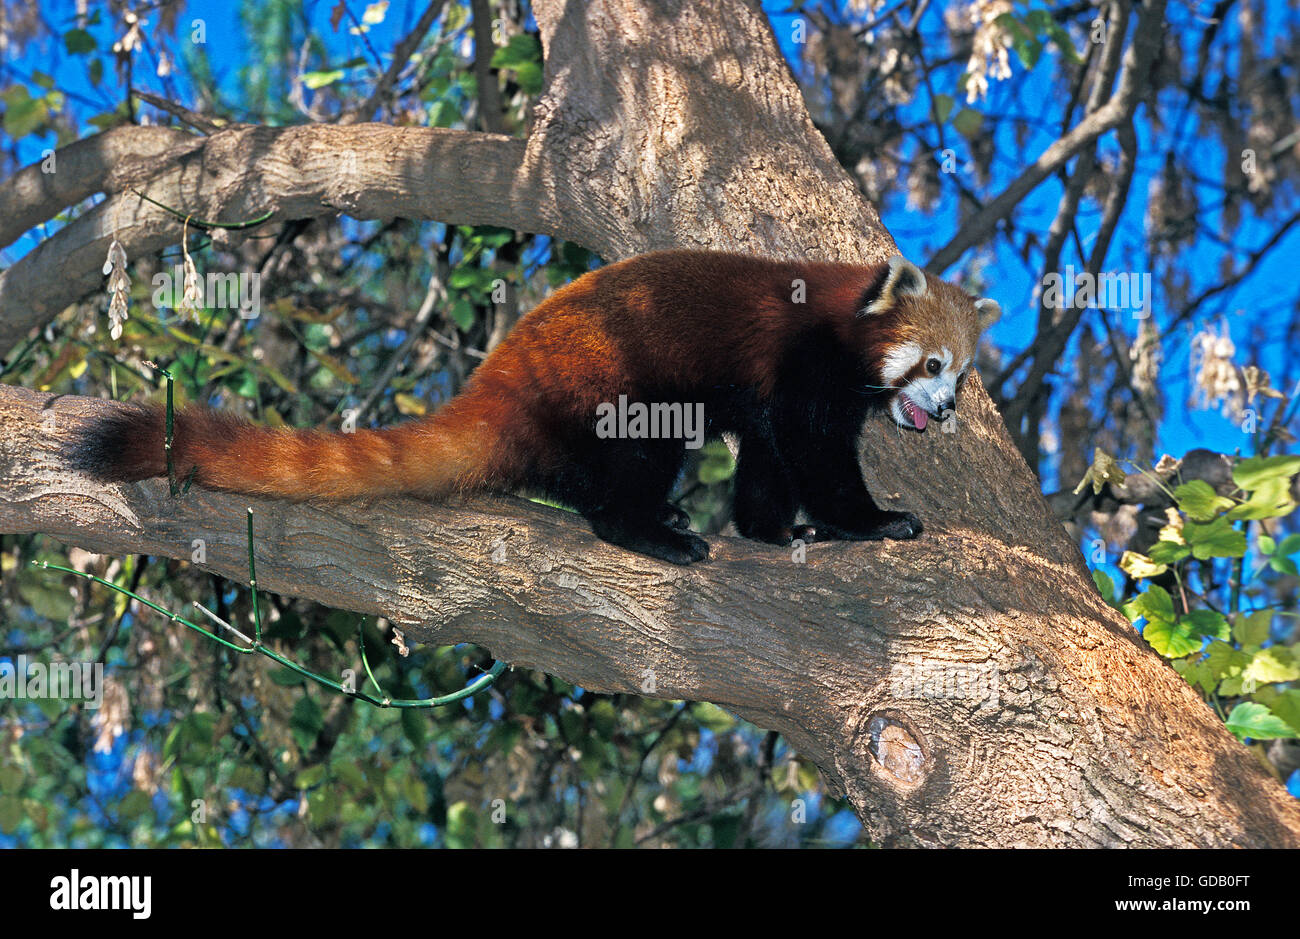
<point x="469" y="690"/>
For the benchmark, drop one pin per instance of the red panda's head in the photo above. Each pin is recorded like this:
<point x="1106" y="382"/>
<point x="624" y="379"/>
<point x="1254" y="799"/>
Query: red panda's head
<point x="922" y="335"/>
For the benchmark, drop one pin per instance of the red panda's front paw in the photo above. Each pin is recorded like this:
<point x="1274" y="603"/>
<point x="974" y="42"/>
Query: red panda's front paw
<point x="674" y="517"/>
<point x="899" y="525"/>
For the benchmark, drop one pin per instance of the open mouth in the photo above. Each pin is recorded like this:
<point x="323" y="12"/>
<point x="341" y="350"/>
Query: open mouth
<point x="914" y="413"/>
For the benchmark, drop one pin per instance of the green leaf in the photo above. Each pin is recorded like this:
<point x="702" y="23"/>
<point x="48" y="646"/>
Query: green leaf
<point x="1196" y="673"/>
<point x="942" y="107"/>
<point x="443" y="113"/>
<point x="1217" y="539"/>
<point x="1254" y="720"/>
<point x="286" y="677"/>
<point x="1289" y="545"/>
<point x="520" y="49"/>
<point x="24" y="115"/>
<point x="135" y="804"/>
<point x="1168" y="552"/>
<point x="79" y="42"/>
<point x="11" y="779"/>
<point x="1105" y="586"/>
<point x="461" y="824"/>
<point x="1206" y="623"/>
<point x="320" y="79"/>
<point x="1272" y="499"/>
<point x="1199" y="500"/>
<point x="1061" y="39"/>
<point x="529" y="77"/>
<point x="604" y="718"/>
<point x="1252" y="629"/>
<point x="1285" y="704"/>
<point x="323" y="805"/>
<point x="712" y="717"/>
<point x="968" y="123"/>
<point x="1027" y="48"/>
<point x="717" y="465"/>
<point x="46" y="595"/>
<point x="199" y="727"/>
<point x="1155" y="605"/>
<point x="470" y="277"/>
<point x="306" y="722"/>
<point x="1172" y="640"/>
<point x="349" y="774"/>
<point x="491" y="236"/>
<point x="1253" y="472"/>
<point x="462" y="313"/>
<point x="1270" y="665"/>
<point x="1284" y="566"/>
<point x="1224" y="661"/>
<point x="311" y="776"/>
<point x="1038" y="20"/>
<point x="415" y="725"/>
<point x="11" y="814"/>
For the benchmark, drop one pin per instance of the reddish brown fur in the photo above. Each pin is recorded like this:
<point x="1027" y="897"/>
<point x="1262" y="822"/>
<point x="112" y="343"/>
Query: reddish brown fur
<point x="665" y="320"/>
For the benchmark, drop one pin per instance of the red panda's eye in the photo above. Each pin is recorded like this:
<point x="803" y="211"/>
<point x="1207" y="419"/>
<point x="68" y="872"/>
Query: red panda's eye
<point x="934" y="366"/>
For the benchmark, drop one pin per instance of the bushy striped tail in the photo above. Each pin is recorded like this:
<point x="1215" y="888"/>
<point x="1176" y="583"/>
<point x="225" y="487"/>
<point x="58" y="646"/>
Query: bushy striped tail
<point x="433" y="457"/>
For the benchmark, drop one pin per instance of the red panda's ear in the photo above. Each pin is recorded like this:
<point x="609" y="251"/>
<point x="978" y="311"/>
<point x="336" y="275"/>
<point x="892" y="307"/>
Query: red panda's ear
<point x="904" y="279"/>
<point x="989" y="312"/>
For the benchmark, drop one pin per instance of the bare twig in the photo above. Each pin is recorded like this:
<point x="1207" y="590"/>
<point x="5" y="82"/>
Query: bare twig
<point x="401" y="55"/>
<point x="1136" y="66"/>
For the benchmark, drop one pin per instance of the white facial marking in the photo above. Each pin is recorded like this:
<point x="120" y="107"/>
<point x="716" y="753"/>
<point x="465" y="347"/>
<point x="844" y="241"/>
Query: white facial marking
<point x="899" y="361"/>
<point x="931" y="393"/>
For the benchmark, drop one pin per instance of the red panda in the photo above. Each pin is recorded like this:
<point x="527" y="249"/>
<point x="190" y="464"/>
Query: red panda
<point x="790" y="356"/>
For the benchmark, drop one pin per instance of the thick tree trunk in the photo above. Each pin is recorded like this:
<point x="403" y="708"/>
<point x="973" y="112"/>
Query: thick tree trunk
<point x="966" y="688"/>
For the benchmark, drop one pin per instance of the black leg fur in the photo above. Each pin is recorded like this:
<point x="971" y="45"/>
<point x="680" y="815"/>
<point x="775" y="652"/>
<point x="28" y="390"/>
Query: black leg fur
<point x="833" y="494"/>
<point x="816" y="415"/>
<point x="622" y="487"/>
<point x="765" y="503"/>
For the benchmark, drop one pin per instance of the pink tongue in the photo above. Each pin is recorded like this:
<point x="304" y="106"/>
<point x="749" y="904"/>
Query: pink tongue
<point x="919" y="418"/>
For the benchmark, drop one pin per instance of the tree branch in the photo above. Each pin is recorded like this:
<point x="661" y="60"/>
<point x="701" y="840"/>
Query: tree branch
<point x="813" y="651"/>
<point x="366" y="171"/>
<point x="37" y="193"/>
<point x="1132" y="84"/>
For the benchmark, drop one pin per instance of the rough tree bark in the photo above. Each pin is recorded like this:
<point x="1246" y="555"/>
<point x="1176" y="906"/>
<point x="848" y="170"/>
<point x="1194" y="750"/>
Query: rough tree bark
<point x="667" y="123"/>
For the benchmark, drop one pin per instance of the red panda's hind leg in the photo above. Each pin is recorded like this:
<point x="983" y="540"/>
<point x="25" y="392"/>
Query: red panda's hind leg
<point x="621" y="486"/>
<point x="649" y="536"/>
